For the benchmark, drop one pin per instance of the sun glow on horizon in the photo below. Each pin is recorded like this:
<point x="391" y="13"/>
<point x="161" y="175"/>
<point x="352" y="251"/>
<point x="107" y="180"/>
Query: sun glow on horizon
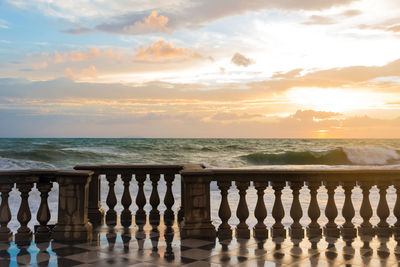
<point x="335" y="99"/>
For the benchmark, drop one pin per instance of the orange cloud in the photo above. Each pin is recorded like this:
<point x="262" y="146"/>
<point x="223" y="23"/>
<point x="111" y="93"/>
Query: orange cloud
<point x="90" y="72"/>
<point x="161" y="50"/>
<point x="93" y="53"/>
<point x="154" y="23"/>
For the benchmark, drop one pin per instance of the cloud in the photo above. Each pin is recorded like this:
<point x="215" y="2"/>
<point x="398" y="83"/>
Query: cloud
<point x="3" y="24"/>
<point x="162" y="50"/>
<point x="313" y="115"/>
<point x="90" y="72"/>
<point x="389" y="25"/>
<point x="76" y="55"/>
<point x="319" y="20"/>
<point x="331" y="19"/>
<point x="288" y="75"/>
<point x="132" y="17"/>
<point x="154" y="23"/>
<point x="240" y="60"/>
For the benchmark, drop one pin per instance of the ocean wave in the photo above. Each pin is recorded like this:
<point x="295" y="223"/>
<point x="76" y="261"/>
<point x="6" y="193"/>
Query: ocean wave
<point x="19" y="164"/>
<point x="337" y="156"/>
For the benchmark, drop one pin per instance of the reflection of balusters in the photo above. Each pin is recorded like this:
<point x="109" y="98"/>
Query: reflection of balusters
<point x="24" y="234"/>
<point x="331" y="229"/>
<point x="126" y="201"/>
<point x="43" y="214"/>
<point x="313" y="229"/>
<point x="365" y="210"/>
<point x="347" y="230"/>
<point x="383" y="212"/>
<point x="169" y="200"/>
<point x="5" y="213"/>
<point x="154" y="215"/>
<point x="242" y="212"/>
<point x="140" y="216"/>
<point x="278" y="230"/>
<point x="224" y="229"/>
<point x="296" y="230"/>
<point x="111" y="215"/>
<point x="260" y="212"/>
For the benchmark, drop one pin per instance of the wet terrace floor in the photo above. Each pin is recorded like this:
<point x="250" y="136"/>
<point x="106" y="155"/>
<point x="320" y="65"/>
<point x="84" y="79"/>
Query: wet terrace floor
<point x="162" y="246"/>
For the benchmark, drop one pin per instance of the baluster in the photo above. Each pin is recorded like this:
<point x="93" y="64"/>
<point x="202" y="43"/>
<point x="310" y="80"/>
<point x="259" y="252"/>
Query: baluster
<point x="396" y="212"/>
<point x="242" y="212"/>
<point x="154" y="216"/>
<point x="111" y="215"/>
<point x="383" y="212"/>
<point x="181" y="211"/>
<point x="313" y="229"/>
<point x="296" y="230"/>
<point x="278" y="230"/>
<point x="169" y="200"/>
<point x="126" y="201"/>
<point x="224" y="229"/>
<point x="43" y="214"/>
<point x="5" y="213"/>
<point x="140" y="216"/>
<point x="331" y="229"/>
<point x="347" y="230"/>
<point x="24" y="234"/>
<point x="366" y="210"/>
<point x="260" y="212"/>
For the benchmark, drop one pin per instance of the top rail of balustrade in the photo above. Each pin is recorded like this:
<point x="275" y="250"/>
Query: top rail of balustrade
<point x="33" y="175"/>
<point x="139" y="168"/>
<point x="275" y="175"/>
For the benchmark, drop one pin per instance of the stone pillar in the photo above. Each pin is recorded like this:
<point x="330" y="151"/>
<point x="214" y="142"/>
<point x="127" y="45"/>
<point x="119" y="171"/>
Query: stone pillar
<point x="73" y="224"/>
<point x="197" y="219"/>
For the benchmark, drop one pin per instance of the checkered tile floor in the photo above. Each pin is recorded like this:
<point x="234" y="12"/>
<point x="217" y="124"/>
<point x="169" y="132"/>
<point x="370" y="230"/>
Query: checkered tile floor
<point x="163" y="247"/>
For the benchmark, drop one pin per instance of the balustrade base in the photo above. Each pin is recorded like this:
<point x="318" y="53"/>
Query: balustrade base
<point x="278" y="232"/>
<point x="23" y="237"/>
<point x="366" y="231"/>
<point x="243" y="233"/>
<point x="396" y="232"/>
<point x="42" y="236"/>
<point x="314" y="232"/>
<point x="332" y="232"/>
<point x="348" y="233"/>
<point x="75" y="233"/>
<point x="260" y="233"/>
<point x="224" y="233"/>
<point x="199" y="230"/>
<point x="296" y="233"/>
<point x="6" y="236"/>
<point x="96" y="216"/>
<point x="383" y="231"/>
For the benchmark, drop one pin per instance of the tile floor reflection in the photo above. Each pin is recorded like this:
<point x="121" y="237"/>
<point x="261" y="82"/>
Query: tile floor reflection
<point x="161" y="246"/>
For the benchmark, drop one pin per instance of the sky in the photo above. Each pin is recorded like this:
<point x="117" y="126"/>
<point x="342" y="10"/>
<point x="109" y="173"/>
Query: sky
<point x="200" y="68"/>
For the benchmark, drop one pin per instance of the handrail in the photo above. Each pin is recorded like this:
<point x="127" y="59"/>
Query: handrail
<point x="198" y="221"/>
<point x="72" y="223"/>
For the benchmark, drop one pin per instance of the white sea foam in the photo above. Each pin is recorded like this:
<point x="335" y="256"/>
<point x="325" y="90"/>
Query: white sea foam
<point x="369" y="155"/>
<point x="19" y="164"/>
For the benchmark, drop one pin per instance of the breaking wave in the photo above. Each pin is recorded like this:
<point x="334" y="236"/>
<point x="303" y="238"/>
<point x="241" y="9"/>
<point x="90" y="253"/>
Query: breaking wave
<point x="368" y="155"/>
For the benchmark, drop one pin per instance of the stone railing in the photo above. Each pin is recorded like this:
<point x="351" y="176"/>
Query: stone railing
<point x="140" y="173"/>
<point x="198" y="222"/>
<point x="72" y="223"/>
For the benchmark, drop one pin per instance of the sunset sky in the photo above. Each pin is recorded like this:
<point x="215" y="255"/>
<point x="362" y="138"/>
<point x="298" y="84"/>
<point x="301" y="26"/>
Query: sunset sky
<point x="200" y="68"/>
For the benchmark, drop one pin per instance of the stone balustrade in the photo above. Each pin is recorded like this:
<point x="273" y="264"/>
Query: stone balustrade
<point x="72" y="223"/>
<point x="138" y="173"/>
<point x="198" y="222"/>
<point x="79" y="204"/>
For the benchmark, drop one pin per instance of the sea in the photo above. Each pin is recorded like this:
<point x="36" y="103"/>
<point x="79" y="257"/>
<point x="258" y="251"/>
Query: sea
<point x="65" y="153"/>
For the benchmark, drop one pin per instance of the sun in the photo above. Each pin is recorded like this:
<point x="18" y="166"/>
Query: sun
<point x="335" y="99"/>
